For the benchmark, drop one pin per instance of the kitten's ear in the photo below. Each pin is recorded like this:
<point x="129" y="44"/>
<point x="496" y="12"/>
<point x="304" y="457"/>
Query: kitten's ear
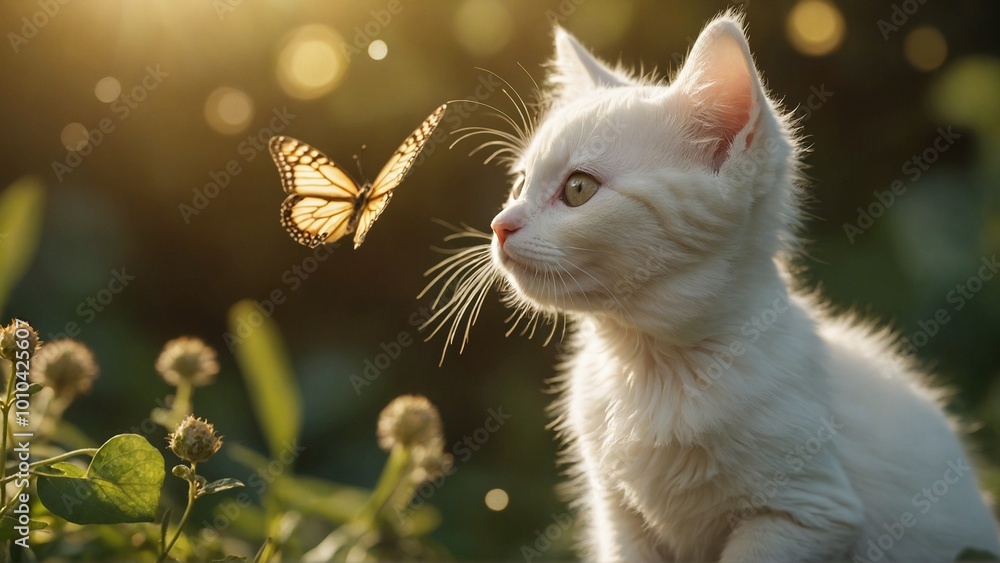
<point x="721" y="80"/>
<point x="574" y="68"/>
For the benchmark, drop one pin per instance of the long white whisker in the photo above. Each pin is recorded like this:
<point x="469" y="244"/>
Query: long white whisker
<point x="526" y="115"/>
<point x="450" y="262"/>
<point x="473" y="131"/>
<point x="500" y="113"/>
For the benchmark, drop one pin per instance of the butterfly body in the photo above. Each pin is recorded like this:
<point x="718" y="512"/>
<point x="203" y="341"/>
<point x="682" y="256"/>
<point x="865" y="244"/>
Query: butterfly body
<point x="324" y="202"/>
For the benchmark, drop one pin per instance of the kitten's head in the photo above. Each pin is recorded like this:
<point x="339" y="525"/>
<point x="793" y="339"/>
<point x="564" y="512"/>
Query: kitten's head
<point x="654" y="205"/>
<point x="648" y="201"/>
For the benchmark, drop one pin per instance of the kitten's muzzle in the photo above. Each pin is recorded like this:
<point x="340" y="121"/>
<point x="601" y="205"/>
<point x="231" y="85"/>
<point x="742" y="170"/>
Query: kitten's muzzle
<point x="502" y="229"/>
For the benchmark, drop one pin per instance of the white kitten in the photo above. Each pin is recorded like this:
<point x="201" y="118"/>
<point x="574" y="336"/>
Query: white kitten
<point x="709" y="411"/>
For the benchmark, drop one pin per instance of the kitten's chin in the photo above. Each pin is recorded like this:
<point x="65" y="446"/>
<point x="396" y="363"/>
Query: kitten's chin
<point x="541" y="287"/>
<point x="526" y="280"/>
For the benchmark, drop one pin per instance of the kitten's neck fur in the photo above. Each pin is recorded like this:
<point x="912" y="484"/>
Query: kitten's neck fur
<point x="693" y="371"/>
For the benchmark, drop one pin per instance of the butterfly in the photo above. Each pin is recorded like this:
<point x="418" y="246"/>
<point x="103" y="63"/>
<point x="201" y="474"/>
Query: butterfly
<point x="325" y="204"/>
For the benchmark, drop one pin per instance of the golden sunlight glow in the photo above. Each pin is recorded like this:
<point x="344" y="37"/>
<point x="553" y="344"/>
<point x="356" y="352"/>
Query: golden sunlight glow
<point x="483" y="27"/>
<point x="312" y="62"/>
<point x="74" y="136"/>
<point x="815" y="27"/>
<point x="377" y="50"/>
<point x="228" y="110"/>
<point x="497" y="499"/>
<point x="604" y="23"/>
<point x="925" y="48"/>
<point x="108" y="89"/>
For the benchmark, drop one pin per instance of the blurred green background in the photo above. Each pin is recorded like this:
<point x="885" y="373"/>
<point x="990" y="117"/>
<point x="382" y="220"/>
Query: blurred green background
<point x="185" y="90"/>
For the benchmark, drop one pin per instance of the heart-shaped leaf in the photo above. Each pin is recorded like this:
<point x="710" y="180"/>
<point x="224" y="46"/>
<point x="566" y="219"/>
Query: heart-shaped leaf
<point x="121" y="485"/>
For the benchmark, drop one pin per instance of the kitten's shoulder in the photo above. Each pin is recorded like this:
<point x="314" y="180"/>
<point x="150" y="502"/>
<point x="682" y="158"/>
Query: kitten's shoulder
<point x="869" y="347"/>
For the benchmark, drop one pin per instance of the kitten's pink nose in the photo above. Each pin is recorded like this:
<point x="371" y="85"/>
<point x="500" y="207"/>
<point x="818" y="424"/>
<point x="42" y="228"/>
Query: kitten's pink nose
<point x="503" y="229"/>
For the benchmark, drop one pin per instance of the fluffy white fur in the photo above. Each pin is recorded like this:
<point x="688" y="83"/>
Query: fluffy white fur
<point x="709" y="411"/>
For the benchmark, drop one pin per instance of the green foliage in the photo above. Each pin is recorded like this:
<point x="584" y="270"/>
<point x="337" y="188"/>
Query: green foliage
<point x="121" y="485"/>
<point x="220" y="485"/>
<point x="268" y="374"/>
<point x="8" y="524"/>
<point x="362" y="515"/>
<point x="977" y="555"/>
<point x="20" y="225"/>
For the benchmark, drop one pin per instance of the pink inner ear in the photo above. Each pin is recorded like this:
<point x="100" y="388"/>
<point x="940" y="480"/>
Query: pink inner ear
<point x="726" y="108"/>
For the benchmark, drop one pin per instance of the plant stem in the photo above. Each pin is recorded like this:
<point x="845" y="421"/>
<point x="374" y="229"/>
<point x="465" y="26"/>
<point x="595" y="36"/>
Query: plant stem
<point x="13" y="501"/>
<point x="54" y="459"/>
<point x="57" y="458"/>
<point x="4" y="429"/>
<point x="396" y="469"/>
<point x="192" y="490"/>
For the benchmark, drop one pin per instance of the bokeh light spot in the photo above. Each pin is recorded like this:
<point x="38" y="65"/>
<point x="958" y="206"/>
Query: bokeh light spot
<point x="925" y="48"/>
<point x="228" y="110"/>
<point x="377" y="50"/>
<point x="483" y="27"/>
<point x="74" y="136"/>
<point x="603" y="24"/>
<point x="815" y="27"/>
<point x="497" y="499"/>
<point x="312" y="62"/>
<point x="967" y="93"/>
<point x="108" y="89"/>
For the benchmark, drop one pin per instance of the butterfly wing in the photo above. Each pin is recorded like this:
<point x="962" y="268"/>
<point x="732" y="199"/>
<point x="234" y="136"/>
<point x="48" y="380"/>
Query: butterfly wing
<point x="313" y="221"/>
<point x="323" y="197"/>
<point x="393" y="172"/>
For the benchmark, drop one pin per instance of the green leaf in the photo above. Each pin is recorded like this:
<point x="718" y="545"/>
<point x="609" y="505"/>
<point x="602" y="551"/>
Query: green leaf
<point x="20" y="225"/>
<point x="313" y="496"/>
<point x="970" y="554"/>
<point x="121" y="485"/>
<point x="265" y="366"/>
<point x="341" y="503"/>
<point x="7" y="524"/>
<point x="263" y="547"/>
<point x="164" y="524"/>
<point x="221" y="485"/>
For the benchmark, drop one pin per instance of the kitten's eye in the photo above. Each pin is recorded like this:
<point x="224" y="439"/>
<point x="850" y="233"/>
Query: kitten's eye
<point x="579" y="188"/>
<point x="515" y="191"/>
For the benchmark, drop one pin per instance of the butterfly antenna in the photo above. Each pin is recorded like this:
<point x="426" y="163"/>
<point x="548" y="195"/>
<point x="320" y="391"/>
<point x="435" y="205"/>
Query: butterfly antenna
<point x="357" y="160"/>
